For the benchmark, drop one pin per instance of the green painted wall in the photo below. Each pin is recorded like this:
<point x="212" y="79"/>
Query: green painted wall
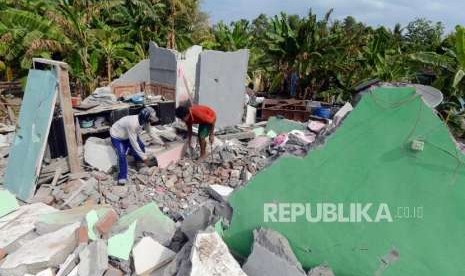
<point x="369" y="160"/>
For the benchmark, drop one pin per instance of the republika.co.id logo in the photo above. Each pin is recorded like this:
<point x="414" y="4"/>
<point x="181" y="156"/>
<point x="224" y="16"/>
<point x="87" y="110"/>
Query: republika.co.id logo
<point x="338" y="212"/>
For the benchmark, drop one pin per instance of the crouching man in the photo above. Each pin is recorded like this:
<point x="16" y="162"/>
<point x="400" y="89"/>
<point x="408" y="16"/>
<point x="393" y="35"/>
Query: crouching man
<point x="125" y="139"/>
<point x="205" y="117"/>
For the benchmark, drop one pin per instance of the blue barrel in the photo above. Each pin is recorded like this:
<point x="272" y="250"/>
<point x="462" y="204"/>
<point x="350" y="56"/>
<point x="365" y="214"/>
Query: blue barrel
<point x="322" y="112"/>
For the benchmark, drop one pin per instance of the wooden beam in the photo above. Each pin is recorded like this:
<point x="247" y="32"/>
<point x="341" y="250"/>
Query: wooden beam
<point x="68" y="119"/>
<point x="64" y="93"/>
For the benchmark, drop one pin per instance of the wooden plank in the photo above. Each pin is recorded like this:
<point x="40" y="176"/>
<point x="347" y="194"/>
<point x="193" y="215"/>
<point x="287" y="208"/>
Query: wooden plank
<point x="68" y="119"/>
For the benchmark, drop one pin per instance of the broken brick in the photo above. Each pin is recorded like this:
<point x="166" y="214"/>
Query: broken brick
<point x="104" y="225"/>
<point x="82" y="235"/>
<point x="2" y="253"/>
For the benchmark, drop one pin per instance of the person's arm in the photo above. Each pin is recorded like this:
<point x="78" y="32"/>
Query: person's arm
<point x="135" y="145"/>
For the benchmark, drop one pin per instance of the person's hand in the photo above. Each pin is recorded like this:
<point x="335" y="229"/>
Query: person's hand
<point x="212" y="139"/>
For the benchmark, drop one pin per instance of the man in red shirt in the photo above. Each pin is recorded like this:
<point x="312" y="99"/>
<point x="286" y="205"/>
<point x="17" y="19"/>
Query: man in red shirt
<point x="202" y="115"/>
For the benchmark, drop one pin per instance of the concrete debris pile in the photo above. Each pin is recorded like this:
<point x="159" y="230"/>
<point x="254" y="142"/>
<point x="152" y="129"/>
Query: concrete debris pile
<point x="5" y="140"/>
<point x="98" y="228"/>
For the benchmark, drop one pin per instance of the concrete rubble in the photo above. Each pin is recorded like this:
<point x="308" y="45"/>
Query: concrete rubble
<point x="45" y="251"/>
<point x="93" y="259"/>
<point x="163" y="209"/>
<point x="149" y="255"/>
<point x="169" y="218"/>
<point x="210" y="256"/>
<point x="271" y="255"/>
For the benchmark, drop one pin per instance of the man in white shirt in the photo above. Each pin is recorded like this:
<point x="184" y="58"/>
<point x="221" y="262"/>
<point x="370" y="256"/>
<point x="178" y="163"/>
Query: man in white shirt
<point x="125" y="138"/>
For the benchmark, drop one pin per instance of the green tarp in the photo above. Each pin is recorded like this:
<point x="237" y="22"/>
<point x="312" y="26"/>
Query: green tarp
<point x="419" y="196"/>
<point x="32" y="132"/>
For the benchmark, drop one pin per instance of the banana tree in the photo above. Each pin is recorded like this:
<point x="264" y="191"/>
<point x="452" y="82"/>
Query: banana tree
<point x="451" y="64"/>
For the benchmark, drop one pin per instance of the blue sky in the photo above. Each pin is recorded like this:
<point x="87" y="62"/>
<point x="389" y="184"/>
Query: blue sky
<point x="373" y="12"/>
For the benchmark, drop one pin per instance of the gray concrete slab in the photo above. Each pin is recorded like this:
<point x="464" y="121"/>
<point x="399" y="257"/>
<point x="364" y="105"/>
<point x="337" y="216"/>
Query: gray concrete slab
<point x="221" y="84"/>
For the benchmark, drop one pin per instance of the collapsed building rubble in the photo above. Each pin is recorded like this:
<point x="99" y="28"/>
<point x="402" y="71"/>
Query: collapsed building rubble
<point x="181" y="216"/>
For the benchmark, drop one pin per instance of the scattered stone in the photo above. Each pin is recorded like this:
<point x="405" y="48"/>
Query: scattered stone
<point x="210" y="257"/>
<point x="120" y="191"/>
<point x="321" y="270"/>
<point x="48" y="250"/>
<point x="271" y="255"/>
<point x="150" y="255"/>
<point x="93" y="259"/>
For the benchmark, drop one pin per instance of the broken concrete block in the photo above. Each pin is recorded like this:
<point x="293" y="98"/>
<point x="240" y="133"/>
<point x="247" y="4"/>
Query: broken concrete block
<point x="46" y="272"/>
<point x="210" y="256"/>
<point x="321" y="270"/>
<point x="83" y="191"/>
<point x="196" y="221"/>
<point x="8" y="203"/>
<point x="48" y="250"/>
<point x="53" y="221"/>
<point x="119" y="246"/>
<point x="100" y="154"/>
<point x="271" y="255"/>
<point x="120" y="191"/>
<point x="93" y="259"/>
<point x="149" y="255"/>
<point x="150" y="220"/>
<point x="20" y="223"/>
<point x="105" y="223"/>
<point x="220" y="192"/>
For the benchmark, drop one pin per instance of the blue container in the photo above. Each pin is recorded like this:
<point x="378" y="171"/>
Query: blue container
<point x="322" y="112"/>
